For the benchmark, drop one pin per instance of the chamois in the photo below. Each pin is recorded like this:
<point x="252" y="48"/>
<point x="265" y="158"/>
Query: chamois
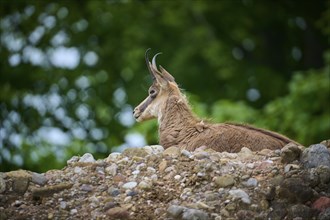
<point x="179" y="127"/>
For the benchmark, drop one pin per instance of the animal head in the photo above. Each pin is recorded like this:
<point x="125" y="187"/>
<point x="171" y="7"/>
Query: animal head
<point x="163" y="86"/>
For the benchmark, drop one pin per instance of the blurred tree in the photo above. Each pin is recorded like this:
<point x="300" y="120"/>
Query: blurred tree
<point x="72" y="70"/>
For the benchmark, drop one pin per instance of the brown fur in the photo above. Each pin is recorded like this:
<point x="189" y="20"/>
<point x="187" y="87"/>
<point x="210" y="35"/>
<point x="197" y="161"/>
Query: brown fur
<point x="179" y="127"/>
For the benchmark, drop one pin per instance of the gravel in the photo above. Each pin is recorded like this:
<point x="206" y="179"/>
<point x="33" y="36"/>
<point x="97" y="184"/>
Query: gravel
<point x="153" y="183"/>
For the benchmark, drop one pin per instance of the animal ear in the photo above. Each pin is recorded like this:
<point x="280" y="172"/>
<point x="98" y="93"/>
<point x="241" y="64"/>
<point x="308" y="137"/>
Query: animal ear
<point x="158" y="76"/>
<point x="166" y="74"/>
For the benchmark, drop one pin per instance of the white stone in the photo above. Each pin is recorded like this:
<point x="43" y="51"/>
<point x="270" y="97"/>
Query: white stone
<point x="238" y="193"/>
<point x="112" y="169"/>
<point x="154" y="149"/>
<point x="113" y="156"/>
<point x="130" y="185"/>
<point x="77" y="170"/>
<point x="87" y="158"/>
<point x="136" y="172"/>
<point x="177" y="177"/>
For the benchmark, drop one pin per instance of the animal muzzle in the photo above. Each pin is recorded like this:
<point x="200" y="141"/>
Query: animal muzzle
<point x="136" y="113"/>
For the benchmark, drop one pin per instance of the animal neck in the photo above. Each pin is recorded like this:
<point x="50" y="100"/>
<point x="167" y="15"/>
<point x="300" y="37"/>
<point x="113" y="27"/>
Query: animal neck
<point x="176" y="117"/>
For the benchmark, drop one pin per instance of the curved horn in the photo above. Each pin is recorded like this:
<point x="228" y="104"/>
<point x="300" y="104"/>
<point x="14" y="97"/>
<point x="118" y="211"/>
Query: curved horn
<point x="147" y="62"/>
<point x="154" y="61"/>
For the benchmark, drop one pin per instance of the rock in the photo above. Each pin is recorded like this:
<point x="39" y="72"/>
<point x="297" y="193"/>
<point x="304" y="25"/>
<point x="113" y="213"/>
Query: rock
<point x="324" y="215"/>
<point x="113" y="191"/>
<point x="130" y="185"/>
<point x="172" y="152"/>
<point x="112" y="169"/>
<point x="154" y="149"/>
<point x="321" y="204"/>
<point x="224" y="181"/>
<point x="144" y="185"/>
<point x="314" y="156"/>
<point x="184" y="213"/>
<point x="86" y="188"/>
<point x="289" y="167"/>
<point x="175" y="211"/>
<point x="118" y="213"/>
<point x="245" y="214"/>
<point x="186" y="153"/>
<point x="112" y="157"/>
<point x="72" y="160"/>
<point x="290" y="152"/>
<point x="239" y="193"/>
<point x="2" y="184"/>
<point x="251" y="182"/>
<point x="50" y="190"/>
<point x="201" y="155"/>
<point x="194" y="214"/>
<point x="323" y="173"/>
<point x="279" y="211"/>
<point x="246" y="154"/>
<point x="73" y="211"/>
<point x="295" y="190"/>
<point x="135" y="152"/>
<point x="63" y="204"/>
<point x="326" y="143"/>
<point x="162" y="166"/>
<point x="87" y="158"/>
<point x="300" y="211"/>
<point x="20" y="184"/>
<point x="38" y="178"/>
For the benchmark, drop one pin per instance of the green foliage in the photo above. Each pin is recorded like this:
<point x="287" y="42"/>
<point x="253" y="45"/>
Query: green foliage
<point x="72" y="71"/>
<point x="305" y="112"/>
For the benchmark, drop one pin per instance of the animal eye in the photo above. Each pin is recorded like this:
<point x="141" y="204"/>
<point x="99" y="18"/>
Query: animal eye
<point x="152" y="92"/>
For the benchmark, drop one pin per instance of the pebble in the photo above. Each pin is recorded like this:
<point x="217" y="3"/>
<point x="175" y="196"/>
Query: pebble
<point x="113" y="191"/>
<point x="87" y="158"/>
<point x="136" y="172"/>
<point x="134" y="152"/>
<point x="162" y="166"/>
<point x="324" y="215"/>
<point x="224" y="181"/>
<point x="2" y="184"/>
<point x="290" y="152"/>
<point x="77" y="170"/>
<point x="38" y="178"/>
<point x="117" y="213"/>
<point x="175" y="211"/>
<point x="177" y="177"/>
<point x="72" y="160"/>
<point x="112" y="169"/>
<point x="201" y="155"/>
<point x="151" y="170"/>
<point x="144" y="185"/>
<point x="186" y="153"/>
<point x="321" y="204"/>
<point x="86" y="188"/>
<point x="62" y="204"/>
<point x="154" y="149"/>
<point x="73" y="211"/>
<point x="251" y="182"/>
<point x="239" y="193"/>
<point x="173" y="152"/>
<point x="20" y="185"/>
<point x="113" y="157"/>
<point x="184" y="213"/>
<point x="130" y="185"/>
<point x="315" y="155"/>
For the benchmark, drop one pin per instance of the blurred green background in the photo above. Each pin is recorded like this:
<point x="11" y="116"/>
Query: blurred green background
<point x="72" y="71"/>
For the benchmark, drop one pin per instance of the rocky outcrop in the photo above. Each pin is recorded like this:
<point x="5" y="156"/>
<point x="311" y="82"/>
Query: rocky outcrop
<point x="153" y="183"/>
